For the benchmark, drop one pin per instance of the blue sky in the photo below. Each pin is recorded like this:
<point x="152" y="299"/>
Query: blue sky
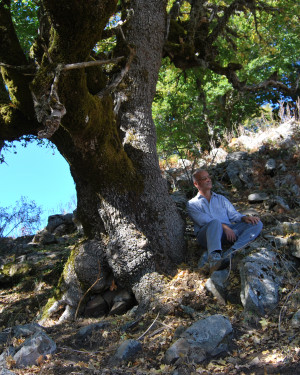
<point x="34" y="172"/>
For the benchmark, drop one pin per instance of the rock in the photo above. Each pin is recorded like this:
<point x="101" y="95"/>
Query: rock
<point x="295" y="246"/>
<point x="55" y="221"/>
<point x="259" y="283"/>
<point x="185" y="350"/>
<point x="296" y="320"/>
<point x="183" y="182"/>
<point x="6" y="372"/>
<point x="239" y="155"/>
<point x="237" y="172"/>
<point x="128" y="350"/>
<point x="270" y="167"/>
<point x="257" y="197"/>
<point x="184" y="163"/>
<point x="4" y="337"/>
<point x="216" y="284"/>
<point x="33" y="348"/>
<point x="83" y="335"/>
<point x="233" y="174"/>
<point x="44" y="237"/>
<point x="119" y="308"/>
<point x="26" y="330"/>
<point x="17" y="270"/>
<point x="218" y="155"/>
<point x="281" y="202"/>
<point x="286" y="228"/>
<point x="8" y="352"/>
<point x="206" y="337"/>
<point x="96" y="307"/>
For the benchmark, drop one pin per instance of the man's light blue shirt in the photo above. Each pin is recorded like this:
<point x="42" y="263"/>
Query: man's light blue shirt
<point x="202" y="212"/>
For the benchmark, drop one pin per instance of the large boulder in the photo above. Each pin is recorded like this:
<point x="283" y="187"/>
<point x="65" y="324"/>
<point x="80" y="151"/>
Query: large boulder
<point x="260" y="282"/>
<point x="207" y="337"/>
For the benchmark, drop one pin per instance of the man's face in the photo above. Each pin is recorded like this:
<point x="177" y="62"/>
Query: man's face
<point x="203" y="181"/>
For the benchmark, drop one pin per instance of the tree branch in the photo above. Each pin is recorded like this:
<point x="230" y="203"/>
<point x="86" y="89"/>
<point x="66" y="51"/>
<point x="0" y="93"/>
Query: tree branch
<point x="229" y="72"/>
<point x="114" y="84"/>
<point x="88" y="64"/>
<point x="223" y="21"/>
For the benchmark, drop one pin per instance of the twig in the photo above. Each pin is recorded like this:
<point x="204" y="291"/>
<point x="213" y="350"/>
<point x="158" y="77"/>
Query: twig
<point x="91" y="287"/>
<point x="151" y="325"/>
<point x="157" y="331"/>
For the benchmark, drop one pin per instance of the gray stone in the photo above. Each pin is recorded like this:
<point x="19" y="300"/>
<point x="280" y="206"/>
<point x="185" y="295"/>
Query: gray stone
<point x="288" y="228"/>
<point x="209" y="332"/>
<point x="218" y="155"/>
<point x="233" y="172"/>
<point x="238" y="173"/>
<point x="270" y="166"/>
<point x="8" y="352"/>
<point x="38" y="345"/>
<point x="4" y="337"/>
<point x="279" y="200"/>
<point x="259" y="282"/>
<point x="128" y="350"/>
<point x="96" y="307"/>
<point x="295" y="246"/>
<point x="217" y="283"/>
<point x="184" y="349"/>
<point x="296" y="320"/>
<point x="184" y="163"/>
<point x="44" y="237"/>
<point x="239" y="155"/>
<point x="257" y="197"/>
<point x="206" y="337"/>
<point x="4" y="371"/>
<point x="87" y="331"/>
<point x="282" y="167"/>
<point x="26" y="330"/>
<point x="55" y="221"/>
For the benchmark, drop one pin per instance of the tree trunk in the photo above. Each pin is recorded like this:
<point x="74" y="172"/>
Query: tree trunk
<point x="134" y="230"/>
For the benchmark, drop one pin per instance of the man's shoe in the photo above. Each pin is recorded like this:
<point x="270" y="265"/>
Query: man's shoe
<point x="215" y="261"/>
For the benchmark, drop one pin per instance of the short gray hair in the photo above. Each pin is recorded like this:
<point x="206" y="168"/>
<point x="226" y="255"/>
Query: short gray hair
<point x="197" y="171"/>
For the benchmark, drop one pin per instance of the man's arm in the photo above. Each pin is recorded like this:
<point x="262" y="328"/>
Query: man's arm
<point x="198" y="215"/>
<point x="229" y="233"/>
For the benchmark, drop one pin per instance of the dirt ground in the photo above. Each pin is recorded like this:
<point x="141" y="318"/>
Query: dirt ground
<point x="261" y="345"/>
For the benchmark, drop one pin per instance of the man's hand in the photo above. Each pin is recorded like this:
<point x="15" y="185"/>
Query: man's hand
<point x="251" y="219"/>
<point x="229" y="233"/>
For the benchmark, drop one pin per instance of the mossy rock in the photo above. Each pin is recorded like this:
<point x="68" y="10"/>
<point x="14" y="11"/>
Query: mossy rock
<point x="16" y="271"/>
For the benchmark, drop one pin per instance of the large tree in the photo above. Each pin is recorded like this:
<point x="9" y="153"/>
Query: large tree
<point x="94" y="103"/>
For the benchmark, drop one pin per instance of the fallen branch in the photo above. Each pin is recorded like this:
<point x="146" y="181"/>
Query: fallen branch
<point x="147" y="330"/>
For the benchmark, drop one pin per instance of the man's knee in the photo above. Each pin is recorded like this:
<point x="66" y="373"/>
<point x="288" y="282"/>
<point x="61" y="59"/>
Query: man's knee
<point x="215" y="223"/>
<point x="259" y="226"/>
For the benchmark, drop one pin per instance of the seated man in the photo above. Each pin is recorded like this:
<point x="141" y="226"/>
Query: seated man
<point x="216" y="220"/>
